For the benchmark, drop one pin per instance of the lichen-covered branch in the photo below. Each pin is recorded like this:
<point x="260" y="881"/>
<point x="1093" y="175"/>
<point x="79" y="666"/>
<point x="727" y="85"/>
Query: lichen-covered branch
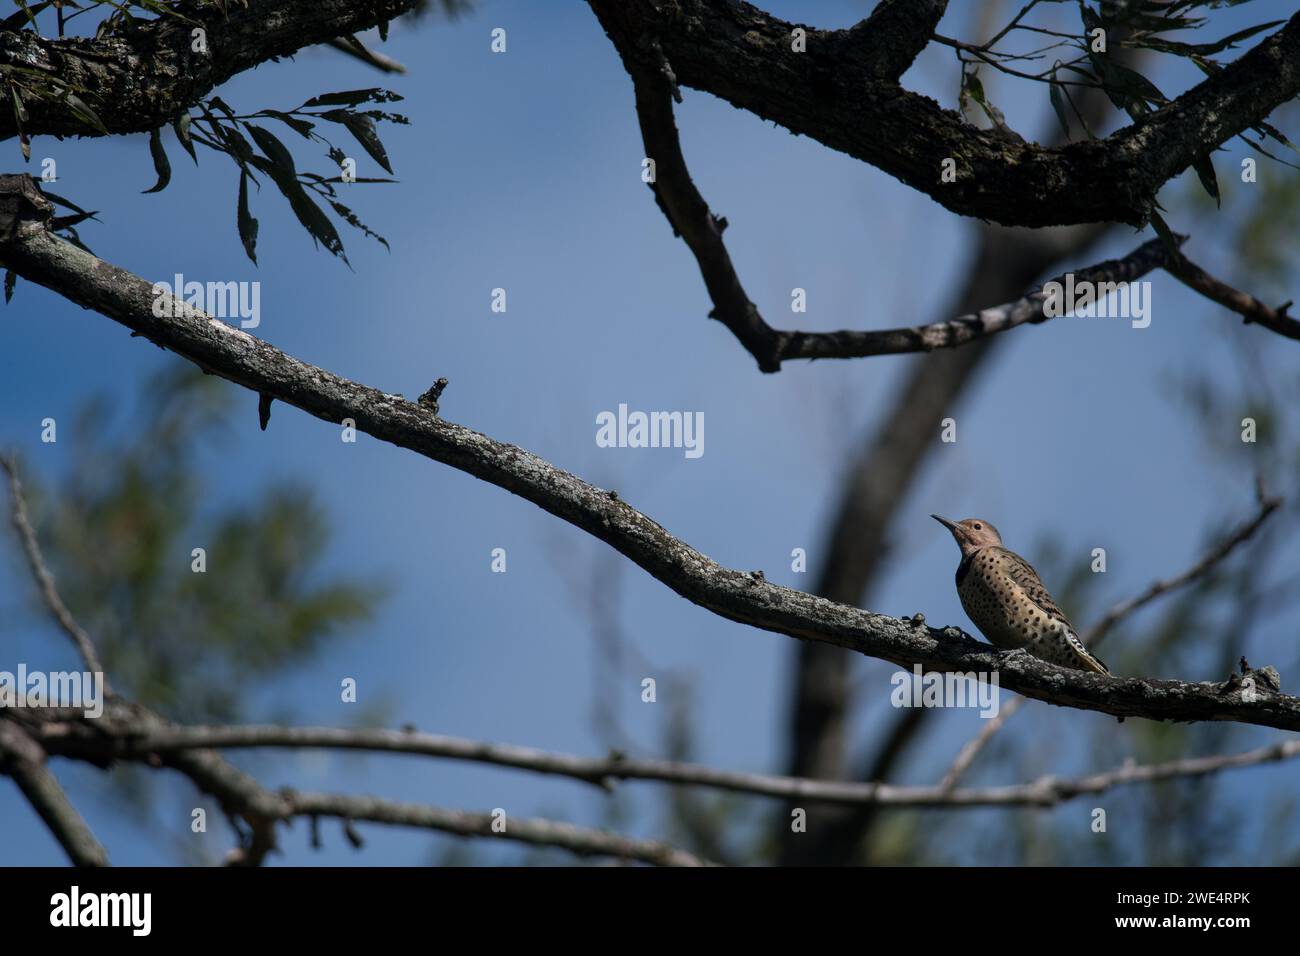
<point x="137" y="81"/>
<point x="838" y="91"/>
<point x="28" y="248"/>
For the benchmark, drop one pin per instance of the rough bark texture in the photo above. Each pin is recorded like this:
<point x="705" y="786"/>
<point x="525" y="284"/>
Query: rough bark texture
<point x="690" y="216"/>
<point x="839" y="92"/>
<point x="29" y="249"/>
<point x="138" y="80"/>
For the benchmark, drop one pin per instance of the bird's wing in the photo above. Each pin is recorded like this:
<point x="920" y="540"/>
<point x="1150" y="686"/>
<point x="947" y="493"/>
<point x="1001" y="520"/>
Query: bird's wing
<point x="1024" y="575"/>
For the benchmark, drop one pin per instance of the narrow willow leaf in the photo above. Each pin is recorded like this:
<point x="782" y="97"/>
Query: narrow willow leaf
<point x="182" y="126"/>
<point x="160" y="164"/>
<point x="247" y="224"/>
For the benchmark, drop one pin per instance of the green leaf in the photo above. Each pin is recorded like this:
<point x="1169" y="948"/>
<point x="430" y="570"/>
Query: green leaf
<point x="971" y="88"/>
<point x="348" y="216"/>
<point x="1203" y="49"/>
<point x="247" y="224"/>
<point x="237" y="146"/>
<point x="67" y="205"/>
<point x="363" y="129"/>
<point x="160" y="164"/>
<point x="66" y="222"/>
<point x="11" y="280"/>
<point x="25" y="15"/>
<point x="1165" y="233"/>
<point x="84" y="112"/>
<point x="20" y="114"/>
<point x="1205" y="172"/>
<point x="182" y="126"/>
<point x="1055" y="94"/>
<point x="274" y="149"/>
<point x="299" y="126"/>
<point x="1265" y="129"/>
<point x="352" y="97"/>
<point x="1259" y="148"/>
<point x="309" y="214"/>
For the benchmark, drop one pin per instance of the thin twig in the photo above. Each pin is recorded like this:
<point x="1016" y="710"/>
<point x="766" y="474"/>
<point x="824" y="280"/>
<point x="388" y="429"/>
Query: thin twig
<point x="582" y="841"/>
<point x="122" y="741"/>
<point x="44" y="579"/>
<point x="1243" y="303"/>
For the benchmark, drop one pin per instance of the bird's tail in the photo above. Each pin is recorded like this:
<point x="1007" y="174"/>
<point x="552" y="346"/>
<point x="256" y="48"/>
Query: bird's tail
<point x="1087" y="660"/>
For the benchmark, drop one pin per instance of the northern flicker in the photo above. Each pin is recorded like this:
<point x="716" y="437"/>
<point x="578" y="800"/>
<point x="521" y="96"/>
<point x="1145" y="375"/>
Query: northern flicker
<point x="1007" y="601"/>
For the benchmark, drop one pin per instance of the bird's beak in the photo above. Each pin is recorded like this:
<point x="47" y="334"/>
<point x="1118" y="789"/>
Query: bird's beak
<point x="946" y="522"/>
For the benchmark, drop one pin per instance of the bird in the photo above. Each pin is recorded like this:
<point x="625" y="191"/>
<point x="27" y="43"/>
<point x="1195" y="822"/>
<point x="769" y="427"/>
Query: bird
<point x="1005" y="598"/>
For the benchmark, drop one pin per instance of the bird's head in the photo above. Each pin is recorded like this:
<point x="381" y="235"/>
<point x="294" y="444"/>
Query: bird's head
<point x="971" y="534"/>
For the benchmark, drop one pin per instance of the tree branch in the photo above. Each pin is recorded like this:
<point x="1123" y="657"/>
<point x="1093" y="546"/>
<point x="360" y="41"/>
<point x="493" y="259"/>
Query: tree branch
<point x="138" y="80"/>
<point x="128" y="731"/>
<point x="689" y="215"/>
<point x="896" y="33"/>
<point x="75" y="739"/>
<point x="22" y="758"/>
<point x="32" y="251"/>
<point x="538" y="832"/>
<point x="1097" y="633"/>
<point x="834" y="92"/>
<point x="45" y="580"/>
<point x="1243" y="303"/>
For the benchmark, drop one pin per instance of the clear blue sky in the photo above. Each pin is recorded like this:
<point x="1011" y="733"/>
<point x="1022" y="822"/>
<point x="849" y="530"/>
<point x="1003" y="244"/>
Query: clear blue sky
<point x="522" y="171"/>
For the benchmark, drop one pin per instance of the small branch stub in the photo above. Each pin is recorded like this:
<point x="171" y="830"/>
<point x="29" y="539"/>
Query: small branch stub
<point x="430" y="398"/>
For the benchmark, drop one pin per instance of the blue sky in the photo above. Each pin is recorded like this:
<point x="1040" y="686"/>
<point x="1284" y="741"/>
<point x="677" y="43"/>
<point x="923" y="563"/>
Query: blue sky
<point x="522" y="171"/>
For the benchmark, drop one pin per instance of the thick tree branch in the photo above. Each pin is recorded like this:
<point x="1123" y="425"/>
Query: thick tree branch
<point x="136" y="81"/>
<point x="689" y="215"/>
<point x="896" y="33"/>
<point x="32" y="251"/>
<point x="833" y="92"/>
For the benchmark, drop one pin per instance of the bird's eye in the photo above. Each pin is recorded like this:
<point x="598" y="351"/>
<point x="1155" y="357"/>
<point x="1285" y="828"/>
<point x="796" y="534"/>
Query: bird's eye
<point x="977" y="526"/>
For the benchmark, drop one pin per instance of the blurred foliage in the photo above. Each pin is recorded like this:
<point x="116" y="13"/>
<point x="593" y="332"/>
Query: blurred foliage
<point x="118" y="532"/>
